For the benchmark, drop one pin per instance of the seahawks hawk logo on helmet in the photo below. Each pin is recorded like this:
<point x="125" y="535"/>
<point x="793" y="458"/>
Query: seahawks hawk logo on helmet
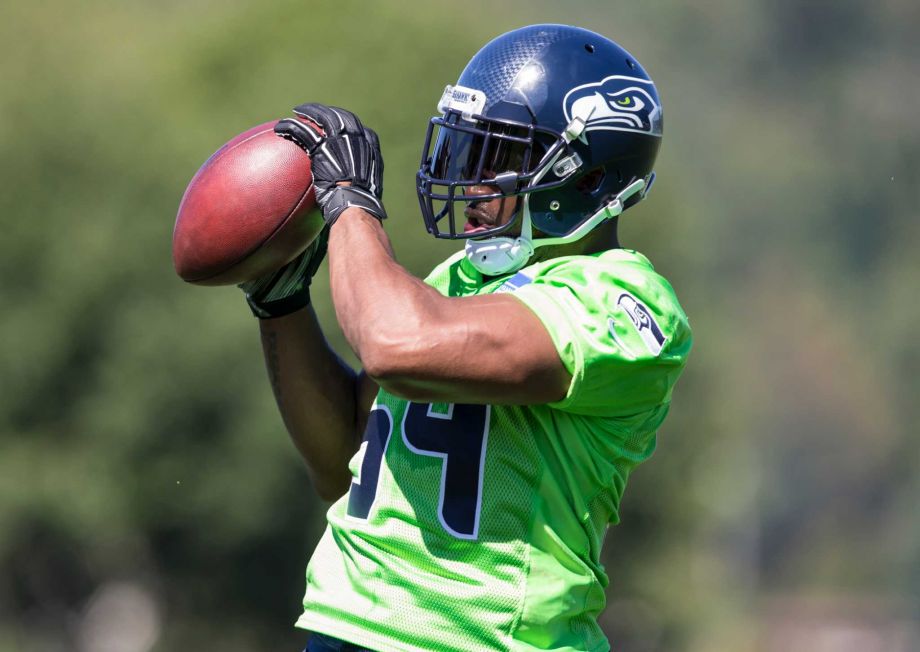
<point x="617" y="103"/>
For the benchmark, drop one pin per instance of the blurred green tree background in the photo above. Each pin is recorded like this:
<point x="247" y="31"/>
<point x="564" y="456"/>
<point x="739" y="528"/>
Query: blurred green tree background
<point x="149" y="498"/>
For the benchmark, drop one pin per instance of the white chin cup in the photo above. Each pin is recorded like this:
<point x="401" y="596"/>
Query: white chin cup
<point x="499" y="255"/>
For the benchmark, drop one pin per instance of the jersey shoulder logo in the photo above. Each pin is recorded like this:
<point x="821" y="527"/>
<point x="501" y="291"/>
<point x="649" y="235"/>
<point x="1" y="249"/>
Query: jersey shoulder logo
<point x="643" y="322"/>
<point x="617" y="103"/>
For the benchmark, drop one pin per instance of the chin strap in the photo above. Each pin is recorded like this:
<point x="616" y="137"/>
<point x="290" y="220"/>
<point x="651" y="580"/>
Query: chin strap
<point x="496" y="256"/>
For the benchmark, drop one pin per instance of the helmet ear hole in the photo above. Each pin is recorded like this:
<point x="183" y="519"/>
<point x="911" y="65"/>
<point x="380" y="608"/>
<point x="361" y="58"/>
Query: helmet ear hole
<point x="591" y="181"/>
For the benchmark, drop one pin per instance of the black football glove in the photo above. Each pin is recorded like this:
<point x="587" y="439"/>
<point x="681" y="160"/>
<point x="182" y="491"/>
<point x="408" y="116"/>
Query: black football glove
<point x="287" y="290"/>
<point x="345" y="151"/>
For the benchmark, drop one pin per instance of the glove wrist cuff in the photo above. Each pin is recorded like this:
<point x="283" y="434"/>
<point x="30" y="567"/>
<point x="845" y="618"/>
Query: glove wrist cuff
<point x="279" y="307"/>
<point x="346" y="196"/>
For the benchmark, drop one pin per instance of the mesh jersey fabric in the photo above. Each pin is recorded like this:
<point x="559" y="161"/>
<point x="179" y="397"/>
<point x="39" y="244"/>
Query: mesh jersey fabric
<point x="472" y="528"/>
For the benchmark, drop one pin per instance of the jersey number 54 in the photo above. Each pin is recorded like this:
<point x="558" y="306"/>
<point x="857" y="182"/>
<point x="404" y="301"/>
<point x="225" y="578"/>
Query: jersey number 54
<point x="455" y="433"/>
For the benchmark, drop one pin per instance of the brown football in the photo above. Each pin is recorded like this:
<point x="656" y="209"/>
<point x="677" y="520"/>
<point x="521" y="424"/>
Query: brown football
<point x="249" y="209"/>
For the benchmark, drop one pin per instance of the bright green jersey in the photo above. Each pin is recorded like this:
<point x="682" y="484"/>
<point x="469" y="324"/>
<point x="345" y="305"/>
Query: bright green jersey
<point x="478" y="527"/>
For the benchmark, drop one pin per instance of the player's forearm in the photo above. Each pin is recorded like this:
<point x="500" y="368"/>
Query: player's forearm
<point x="380" y="306"/>
<point x="317" y="395"/>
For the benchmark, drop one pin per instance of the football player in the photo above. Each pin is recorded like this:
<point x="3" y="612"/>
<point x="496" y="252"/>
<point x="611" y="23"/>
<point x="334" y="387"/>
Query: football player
<point x="480" y="455"/>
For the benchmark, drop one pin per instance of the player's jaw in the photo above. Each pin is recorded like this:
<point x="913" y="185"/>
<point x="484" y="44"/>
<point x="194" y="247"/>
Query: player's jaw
<point x="487" y="214"/>
<point x="478" y="217"/>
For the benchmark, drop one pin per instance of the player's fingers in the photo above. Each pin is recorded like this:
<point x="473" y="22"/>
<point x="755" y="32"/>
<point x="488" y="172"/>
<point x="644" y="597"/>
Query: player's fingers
<point x="322" y="115"/>
<point x="350" y="123"/>
<point x="376" y="161"/>
<point x="333" y="119"/>
<point x="301" y="133"/>
<point x="372" y="138"/>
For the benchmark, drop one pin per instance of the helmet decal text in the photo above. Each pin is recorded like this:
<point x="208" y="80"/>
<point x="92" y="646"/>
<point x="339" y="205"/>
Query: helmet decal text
<point x="467" y="101"/>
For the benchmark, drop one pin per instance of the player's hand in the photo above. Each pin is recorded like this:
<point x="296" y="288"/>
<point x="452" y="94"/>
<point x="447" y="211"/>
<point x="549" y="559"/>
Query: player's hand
<point x="287" y="290"/>
<point x="346" y="151"/>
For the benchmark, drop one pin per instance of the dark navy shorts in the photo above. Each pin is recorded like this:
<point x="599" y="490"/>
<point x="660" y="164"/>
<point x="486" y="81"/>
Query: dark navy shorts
<point x="324" y="643"/>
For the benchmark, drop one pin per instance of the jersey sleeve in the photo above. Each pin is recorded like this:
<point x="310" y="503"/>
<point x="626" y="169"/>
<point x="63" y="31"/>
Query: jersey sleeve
<point x="618" y="328"/>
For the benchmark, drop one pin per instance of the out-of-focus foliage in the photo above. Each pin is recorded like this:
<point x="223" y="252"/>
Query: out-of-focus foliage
<point x="149" y="498"/>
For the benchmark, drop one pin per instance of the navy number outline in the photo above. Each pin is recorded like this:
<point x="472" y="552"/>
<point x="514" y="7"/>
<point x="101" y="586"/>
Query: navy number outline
<point x="458" y="437"/>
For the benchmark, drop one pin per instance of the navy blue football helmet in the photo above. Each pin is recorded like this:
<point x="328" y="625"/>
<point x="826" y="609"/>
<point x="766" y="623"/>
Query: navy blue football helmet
<point x="559" y="117"/>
